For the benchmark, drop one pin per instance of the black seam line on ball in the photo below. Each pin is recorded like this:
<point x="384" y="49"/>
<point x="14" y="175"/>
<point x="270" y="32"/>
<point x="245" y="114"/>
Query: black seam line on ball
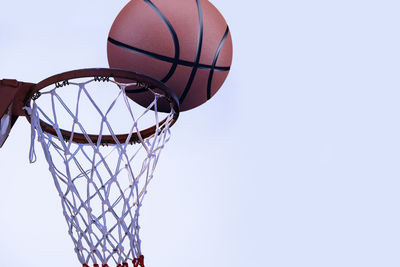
<point x="198" y="54"/>
<point x="164" y="58"/>
<point x="210" y="77"/>
<point x="174" y="37"/>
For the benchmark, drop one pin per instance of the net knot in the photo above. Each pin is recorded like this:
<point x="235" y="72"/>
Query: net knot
<point x="71" y="185"/>
<point x="143" y="85"/>
<point x="138" y="261"/>
<point x="61" y="84"/>
<point x="36" y="96"/>
<point x="101" y="78"/>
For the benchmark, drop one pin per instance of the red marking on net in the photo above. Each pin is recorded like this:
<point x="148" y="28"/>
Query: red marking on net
<point x="138" y="262"/>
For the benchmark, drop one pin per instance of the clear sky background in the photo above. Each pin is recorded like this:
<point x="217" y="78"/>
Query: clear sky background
<point x="294" y="163"/>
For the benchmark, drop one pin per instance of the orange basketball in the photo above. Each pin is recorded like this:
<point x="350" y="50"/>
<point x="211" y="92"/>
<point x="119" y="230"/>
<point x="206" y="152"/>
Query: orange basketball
<point x="183" y="43"/>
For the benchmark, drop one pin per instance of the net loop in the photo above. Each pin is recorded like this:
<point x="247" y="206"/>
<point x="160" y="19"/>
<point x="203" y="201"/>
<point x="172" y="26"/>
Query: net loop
<point x="101" y="188"/>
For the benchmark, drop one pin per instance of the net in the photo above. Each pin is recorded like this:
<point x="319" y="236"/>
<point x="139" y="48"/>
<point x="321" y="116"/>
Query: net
<point x="101" y="186"/>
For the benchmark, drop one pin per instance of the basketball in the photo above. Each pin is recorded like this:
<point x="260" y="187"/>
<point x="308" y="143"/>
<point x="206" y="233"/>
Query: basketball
<point x="184" y="43"/>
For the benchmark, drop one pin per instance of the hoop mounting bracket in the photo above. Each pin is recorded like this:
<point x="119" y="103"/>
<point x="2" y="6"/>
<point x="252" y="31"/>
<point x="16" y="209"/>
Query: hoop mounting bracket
<point x="13" y="92"/>
<point x="12" y="97"/>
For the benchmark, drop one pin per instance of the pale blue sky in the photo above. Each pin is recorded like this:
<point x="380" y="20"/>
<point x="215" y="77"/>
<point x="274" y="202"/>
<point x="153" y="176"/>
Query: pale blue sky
<point x="294" y="163"/>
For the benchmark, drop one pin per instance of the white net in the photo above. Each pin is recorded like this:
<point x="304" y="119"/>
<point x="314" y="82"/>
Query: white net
<point x="5" y="125"/>
<point x="101" y="187"/>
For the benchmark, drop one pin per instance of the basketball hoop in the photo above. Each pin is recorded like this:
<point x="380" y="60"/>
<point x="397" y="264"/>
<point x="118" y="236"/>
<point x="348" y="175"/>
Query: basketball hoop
<point x="141" y="82"/>
<point x="101" y="177"/>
